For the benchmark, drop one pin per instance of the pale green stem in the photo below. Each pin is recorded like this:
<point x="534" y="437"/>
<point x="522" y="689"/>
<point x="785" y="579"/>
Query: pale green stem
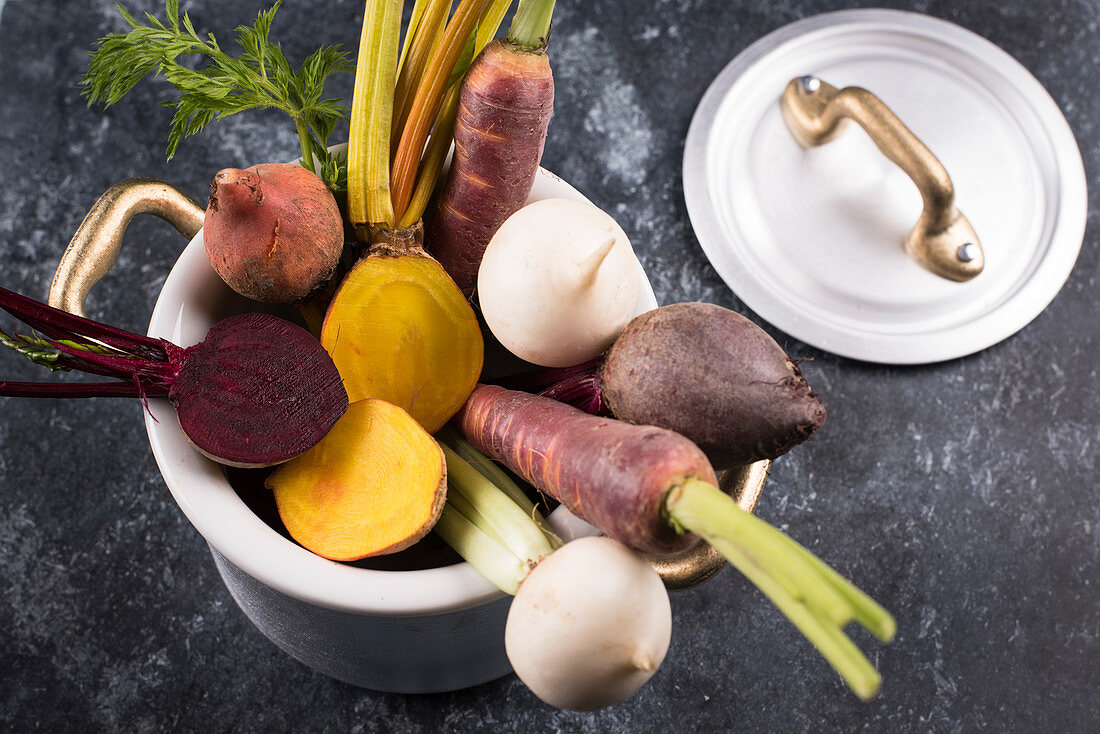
<point x="817" y="600"/>
<point x="369" y="197"/>
<point x="493" y="511"/>
<point x="531" y="24"/>
<point x="306" y="141"/>
<point x="454" y="439"/>
<point x="490" y="558"/>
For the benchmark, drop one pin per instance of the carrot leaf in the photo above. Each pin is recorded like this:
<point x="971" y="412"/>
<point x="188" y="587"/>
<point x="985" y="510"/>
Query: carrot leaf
<point x="259" y="76"/>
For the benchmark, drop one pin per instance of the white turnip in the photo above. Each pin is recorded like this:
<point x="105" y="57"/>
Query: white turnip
<point x="558" y="282"/>
<point x="589" y="625"/>
<point x="590" y="622"/>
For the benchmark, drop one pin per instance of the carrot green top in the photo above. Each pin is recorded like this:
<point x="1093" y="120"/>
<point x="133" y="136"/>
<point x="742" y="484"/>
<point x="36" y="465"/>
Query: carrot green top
<point x="531" y="24"/>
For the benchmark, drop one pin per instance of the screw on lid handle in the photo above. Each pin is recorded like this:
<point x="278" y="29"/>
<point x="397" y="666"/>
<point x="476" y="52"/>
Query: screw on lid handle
<point x="94" y="248"/>
<point x="942" y="240"/>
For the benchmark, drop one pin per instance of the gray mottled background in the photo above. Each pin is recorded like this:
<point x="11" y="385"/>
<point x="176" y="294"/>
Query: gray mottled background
<point x="962" y="495"/>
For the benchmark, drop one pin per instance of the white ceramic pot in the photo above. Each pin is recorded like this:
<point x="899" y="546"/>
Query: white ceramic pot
<point x="401" y="631"/>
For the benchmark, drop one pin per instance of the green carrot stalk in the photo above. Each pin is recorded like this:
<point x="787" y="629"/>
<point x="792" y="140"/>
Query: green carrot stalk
<point x="531" y="25"/>
<point x="813" y="596"/>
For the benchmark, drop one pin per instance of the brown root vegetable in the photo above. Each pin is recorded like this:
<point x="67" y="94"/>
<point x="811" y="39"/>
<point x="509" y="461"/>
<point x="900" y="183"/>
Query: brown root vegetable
<point x="374" y="485"/>
<point x="257" y="391"/>
<point x="505" y="105"/>
<point x="714" y="376"/>
<point x="399" y="330"/>
<point x="273" y="232"/>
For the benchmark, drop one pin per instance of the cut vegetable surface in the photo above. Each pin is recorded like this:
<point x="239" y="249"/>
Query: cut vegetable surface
<point x="374" y="485"/>
<point x="505" y="105"/>
<point x="399" y="330"/>
<point x="643" y="486"/>
<point x="257" y="391"/>
<point x="558" y="282"/>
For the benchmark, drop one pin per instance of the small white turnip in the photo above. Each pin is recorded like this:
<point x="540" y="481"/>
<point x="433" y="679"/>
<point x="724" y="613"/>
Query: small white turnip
<point x="589" y="625"/>
<point x="558" y="282"/>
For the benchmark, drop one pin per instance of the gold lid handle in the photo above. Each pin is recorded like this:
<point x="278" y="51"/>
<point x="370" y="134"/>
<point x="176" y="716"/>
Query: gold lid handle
<point x="94" y="248"/>
<point x="942" y="240"/>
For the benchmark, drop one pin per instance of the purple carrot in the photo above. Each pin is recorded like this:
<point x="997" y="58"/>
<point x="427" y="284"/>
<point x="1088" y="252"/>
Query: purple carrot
<point x="612" y="474"/>
<point x="505" y="104"/>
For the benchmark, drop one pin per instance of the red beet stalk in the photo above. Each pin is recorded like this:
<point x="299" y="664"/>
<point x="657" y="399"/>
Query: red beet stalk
<point x="257" y="391"/>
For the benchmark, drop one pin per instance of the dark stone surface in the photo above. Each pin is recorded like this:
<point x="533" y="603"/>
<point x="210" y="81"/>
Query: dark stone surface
<point x="962" y="495"/>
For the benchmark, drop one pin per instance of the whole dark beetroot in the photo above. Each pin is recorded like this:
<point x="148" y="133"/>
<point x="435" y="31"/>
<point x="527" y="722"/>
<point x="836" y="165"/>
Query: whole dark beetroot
<point x="714" y="376"/>
<point x="273" y="232"/>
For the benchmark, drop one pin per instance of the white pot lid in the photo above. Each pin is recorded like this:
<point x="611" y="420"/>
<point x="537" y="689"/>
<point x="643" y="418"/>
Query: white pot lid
<point x="812" y="239"/>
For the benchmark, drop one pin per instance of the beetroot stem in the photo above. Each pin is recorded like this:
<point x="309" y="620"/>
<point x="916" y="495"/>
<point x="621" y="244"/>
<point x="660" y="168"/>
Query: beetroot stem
<point x="541" y="378"/>
<point x="56" y="323"/>
<point x="160" y="371"/>
<point x="581" y="390"/>
<point x="120" y="389"/>
<point x="580" y="385"/>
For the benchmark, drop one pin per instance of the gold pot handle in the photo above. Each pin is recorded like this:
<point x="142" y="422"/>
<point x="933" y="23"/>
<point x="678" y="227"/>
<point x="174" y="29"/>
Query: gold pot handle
<point x="942" y="240"/>
<point x="701" y="562"/>
<point x="94" y="248"/>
